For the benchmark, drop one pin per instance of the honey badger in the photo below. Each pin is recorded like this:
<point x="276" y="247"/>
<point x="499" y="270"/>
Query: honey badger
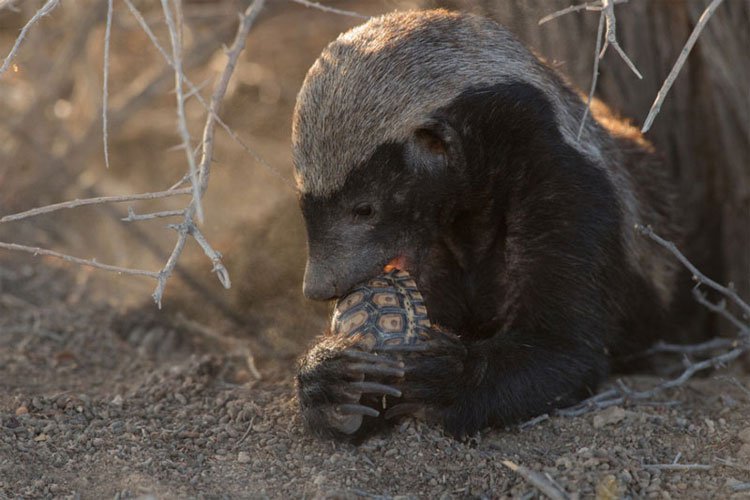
<point x="438" y="140"/>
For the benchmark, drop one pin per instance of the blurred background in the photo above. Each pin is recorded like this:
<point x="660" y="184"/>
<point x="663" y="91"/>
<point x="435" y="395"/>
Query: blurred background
<point x="51" y="142"/>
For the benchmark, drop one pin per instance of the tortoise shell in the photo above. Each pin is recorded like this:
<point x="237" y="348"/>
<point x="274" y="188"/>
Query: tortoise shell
<point x="387" y="310"/>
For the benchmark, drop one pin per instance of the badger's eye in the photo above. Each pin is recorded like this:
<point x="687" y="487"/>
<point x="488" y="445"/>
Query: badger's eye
<point x="363" y="210"/>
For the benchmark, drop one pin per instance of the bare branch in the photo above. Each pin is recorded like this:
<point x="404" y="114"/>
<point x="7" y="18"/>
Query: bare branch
<point x="664" y="90"/>
<point x="608" y="11"/>
<point x="534" y="421"/>
<point x="214" y="256"/>
<point x="593" y="78"/>
<point x="43" y="11"/>
<point x="697" y="275"/>
<point x="606" y="16"/>
<point x="220" y="89"/>
<point x="188" y="226"/>
<point x="76" y="260"/>
<point x="595" y="6"/>
<point x="332" y="10"/>
<point x="94" y="201"/>
<point x="618" y="396"/>
<point x="702" y="348"/>
<point x="538" y="480"/>
<point x="168" y="269"/>
<point x="132" y="216"/>
<point x="175" y="36"/>
<point x="105" y="81"/>
<point x="733" y="348"/>
<point x="196" y="91"/>
<point x="720" y="308"/>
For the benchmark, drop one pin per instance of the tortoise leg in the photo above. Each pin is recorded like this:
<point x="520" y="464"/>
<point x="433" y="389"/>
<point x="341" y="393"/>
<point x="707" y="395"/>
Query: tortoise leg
<point x="339" y="388"/>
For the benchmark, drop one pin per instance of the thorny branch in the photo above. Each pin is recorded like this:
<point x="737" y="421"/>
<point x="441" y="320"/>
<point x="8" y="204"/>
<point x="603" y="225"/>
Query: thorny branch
<point x="76" y="260"/>
<point x="198" y="174"/>
<point x="105" y="81"/>
<point x="194" y="90"/>
<point x="594" y="78"/>
<point x="540" y="481"/>
<point x="662" y="94"/>
<point x="94" y="201"/>
<point x="175" y="37"/>
<point x="332" y="10"/>
<point x="43" y="11"/>
<point x="606" y="8"/>
<point x="730" y="349"/>
<point x="188" y="228"/>
<point x="698" y="276"/>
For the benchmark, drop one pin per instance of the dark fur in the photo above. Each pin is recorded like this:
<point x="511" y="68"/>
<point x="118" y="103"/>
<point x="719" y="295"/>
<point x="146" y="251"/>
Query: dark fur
<point x="516" y="241"/>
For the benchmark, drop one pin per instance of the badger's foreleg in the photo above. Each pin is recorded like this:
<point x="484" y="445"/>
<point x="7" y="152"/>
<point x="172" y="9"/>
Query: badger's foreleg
<point x="498" y="381"/>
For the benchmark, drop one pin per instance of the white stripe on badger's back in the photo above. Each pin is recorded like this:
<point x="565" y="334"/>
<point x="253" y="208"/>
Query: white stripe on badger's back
<point x="380" y="81"/>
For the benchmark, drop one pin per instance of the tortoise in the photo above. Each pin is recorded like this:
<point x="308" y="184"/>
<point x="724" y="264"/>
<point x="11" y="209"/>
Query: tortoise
<point x="386" y="313"/>
<point x="388" y="310"/>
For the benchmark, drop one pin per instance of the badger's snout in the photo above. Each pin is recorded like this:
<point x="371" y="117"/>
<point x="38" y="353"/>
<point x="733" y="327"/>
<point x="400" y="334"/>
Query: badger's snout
<point x="320" y="282"/>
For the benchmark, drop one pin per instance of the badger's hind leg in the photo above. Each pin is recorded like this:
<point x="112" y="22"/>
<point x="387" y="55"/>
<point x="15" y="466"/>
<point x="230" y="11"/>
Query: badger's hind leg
<point x="341" y="388"/>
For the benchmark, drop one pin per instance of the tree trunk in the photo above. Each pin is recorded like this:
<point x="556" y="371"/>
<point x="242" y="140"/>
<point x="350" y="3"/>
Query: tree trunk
<point x="703" y="129"/>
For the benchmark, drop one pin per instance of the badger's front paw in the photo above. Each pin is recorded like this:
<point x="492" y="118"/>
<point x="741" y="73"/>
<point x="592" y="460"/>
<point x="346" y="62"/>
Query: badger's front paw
<point x="438" y="380"/>
<point x="339" y="384"/>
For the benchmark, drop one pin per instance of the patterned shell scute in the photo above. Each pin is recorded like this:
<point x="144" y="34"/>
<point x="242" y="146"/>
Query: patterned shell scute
<point x="387" y="310"/>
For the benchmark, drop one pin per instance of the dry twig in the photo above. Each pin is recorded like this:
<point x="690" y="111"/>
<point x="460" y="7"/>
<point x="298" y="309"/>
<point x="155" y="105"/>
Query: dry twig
<point x="733" y="348"/>
<point x="701" y="348"/>
<point x="43" y="11"/>
<point x="175" y="37"/>
<point x="77" y="260"/>
<point x="94" y="201"/>
<point x="662" y="94"/>
<point x="538" y="480"/>
<point x="194" y="90"/>
<point x="199" y="176"/>
<point x="595" y="76"/>
<point x="698" y="276"/>
<point x="132" y="216"/>
<point x="188" y="228"/>
<point x="608" y="11"/>
<point x="105" y="80"/>
<point x="332" y="10"/>
<point x="678" y="467"/>
<point x="606" y="8"/>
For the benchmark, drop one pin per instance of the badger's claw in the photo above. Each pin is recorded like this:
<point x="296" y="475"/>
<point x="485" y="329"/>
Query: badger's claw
<point x="357" y="355"/>
<point x="341" y="388"/>
<point x="375" y="388"/>
<point x="357" y="409"/>
<point x="376" y="369"/>
<point x="436" y="376"/>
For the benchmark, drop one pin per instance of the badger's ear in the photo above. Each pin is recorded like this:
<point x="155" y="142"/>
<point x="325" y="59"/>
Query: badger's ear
<point x="430" y="147"/>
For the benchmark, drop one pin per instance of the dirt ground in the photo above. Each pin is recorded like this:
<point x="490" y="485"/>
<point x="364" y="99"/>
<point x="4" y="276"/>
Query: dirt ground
<point x="98" y="401"/>
<point x="92" y="409"/>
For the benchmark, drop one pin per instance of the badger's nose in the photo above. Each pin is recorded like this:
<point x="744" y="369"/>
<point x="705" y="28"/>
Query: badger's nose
<point x="319" y="282"/>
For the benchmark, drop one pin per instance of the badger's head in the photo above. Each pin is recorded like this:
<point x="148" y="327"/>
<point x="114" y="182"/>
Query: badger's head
<point x="379" y="168"/>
